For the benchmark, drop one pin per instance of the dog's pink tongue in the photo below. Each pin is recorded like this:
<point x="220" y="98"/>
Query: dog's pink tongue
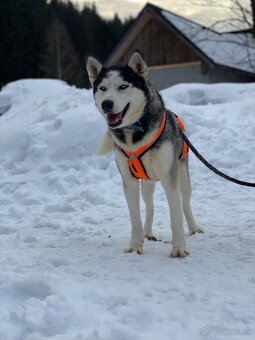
<point x="112" y="118"/>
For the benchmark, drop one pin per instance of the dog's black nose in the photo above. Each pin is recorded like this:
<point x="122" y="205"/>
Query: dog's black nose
<point x="107" y="105"/>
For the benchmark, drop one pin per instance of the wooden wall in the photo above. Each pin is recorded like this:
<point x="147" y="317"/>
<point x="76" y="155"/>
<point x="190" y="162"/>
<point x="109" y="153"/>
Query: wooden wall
<point x="159" y="46"/>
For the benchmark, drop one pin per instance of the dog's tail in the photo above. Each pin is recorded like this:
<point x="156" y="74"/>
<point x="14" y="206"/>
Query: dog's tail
<point x="106" y="145"/>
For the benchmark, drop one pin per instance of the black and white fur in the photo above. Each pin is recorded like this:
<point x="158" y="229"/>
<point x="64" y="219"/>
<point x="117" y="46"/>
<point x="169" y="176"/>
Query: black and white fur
<point x="125" y="97"/>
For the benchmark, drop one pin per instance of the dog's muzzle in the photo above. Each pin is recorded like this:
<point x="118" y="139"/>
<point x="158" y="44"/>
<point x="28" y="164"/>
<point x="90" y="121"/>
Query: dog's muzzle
<point x="115" y="119"/>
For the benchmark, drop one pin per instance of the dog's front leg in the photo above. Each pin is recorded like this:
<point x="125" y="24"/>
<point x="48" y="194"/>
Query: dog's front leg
<point x="148" y="188"/>
<point x="172" y="189"/>
<point x="132" y="192"/>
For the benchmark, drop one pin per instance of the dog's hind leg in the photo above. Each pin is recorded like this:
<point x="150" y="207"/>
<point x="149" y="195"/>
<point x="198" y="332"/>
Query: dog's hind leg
<point x="148" y="188"/>
<point x="173" y="193"/>
<point x="186" y="194"/>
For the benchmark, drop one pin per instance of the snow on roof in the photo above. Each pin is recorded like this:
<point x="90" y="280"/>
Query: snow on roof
<point x="227" y="49"/>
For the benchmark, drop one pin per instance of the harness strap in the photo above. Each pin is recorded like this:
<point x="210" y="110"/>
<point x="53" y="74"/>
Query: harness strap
<point x="135" y="165"/>
<point x="145" y="147"/>
<point x="185" y="148"/>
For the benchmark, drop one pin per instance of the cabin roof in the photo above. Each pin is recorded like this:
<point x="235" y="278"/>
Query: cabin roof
<point x="233" y="50"/>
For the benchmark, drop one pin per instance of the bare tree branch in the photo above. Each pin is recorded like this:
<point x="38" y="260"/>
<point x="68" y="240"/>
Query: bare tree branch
<point x="253" y="15"/>
<point x="239" y="48"/>
<point x="237" y="14"/>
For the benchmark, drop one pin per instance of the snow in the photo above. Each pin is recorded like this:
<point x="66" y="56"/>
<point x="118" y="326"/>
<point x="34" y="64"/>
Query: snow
<point x="227" y="49"/>
<point x="64" y="223"/>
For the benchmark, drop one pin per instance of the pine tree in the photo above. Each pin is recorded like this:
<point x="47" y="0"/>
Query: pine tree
<point x="22" y="30"/>
<point x="60" y="59"/>
<point x="51" y="38"/>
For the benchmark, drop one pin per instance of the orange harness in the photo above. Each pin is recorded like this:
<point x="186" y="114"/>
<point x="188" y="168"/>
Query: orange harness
<point x="135" y="164"/>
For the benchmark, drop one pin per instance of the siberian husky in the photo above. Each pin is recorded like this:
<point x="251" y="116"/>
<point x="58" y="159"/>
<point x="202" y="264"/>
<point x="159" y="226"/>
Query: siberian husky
<point x="147" y="143"/>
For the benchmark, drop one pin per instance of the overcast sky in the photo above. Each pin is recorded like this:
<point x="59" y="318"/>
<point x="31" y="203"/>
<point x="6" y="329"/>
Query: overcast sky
<point x="187" y="8"/>
<point x="126" y="8"/>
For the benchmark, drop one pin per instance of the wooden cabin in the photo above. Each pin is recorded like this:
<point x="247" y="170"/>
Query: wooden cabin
<point x="179" y="50"/>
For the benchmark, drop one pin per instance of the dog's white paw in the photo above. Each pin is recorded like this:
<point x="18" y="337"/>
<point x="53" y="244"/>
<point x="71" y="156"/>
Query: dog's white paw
<point x="195" y="230"/>
<point x="138" y="249"/>
<point x="179" y="252"/>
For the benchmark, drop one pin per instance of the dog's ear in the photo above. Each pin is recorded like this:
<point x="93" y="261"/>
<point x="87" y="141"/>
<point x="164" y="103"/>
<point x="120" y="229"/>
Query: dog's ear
<point x="138" y="64"/>
<point x="93" y="68"/>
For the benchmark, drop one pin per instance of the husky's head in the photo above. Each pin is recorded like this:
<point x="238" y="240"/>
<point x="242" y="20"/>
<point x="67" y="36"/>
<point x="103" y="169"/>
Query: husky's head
<point x="120" y="92"/>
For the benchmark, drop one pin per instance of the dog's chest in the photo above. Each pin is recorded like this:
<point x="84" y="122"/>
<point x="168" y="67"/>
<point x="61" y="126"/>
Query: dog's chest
<point x="157" y="162"/>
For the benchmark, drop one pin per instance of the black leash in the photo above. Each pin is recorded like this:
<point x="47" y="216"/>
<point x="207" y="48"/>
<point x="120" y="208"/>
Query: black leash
<point x="212" y="168"/>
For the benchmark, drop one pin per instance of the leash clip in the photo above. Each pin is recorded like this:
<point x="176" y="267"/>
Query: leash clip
<point x="132" y="157"/>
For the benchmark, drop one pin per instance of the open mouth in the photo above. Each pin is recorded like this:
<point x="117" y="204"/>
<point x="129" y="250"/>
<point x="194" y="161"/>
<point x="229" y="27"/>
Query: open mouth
<point x="115" y="119"/>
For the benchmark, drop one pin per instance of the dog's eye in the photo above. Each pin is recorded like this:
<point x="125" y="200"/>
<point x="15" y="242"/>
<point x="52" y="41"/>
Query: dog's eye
<point x="102" y="88"/>
<point x="123" y="87"/>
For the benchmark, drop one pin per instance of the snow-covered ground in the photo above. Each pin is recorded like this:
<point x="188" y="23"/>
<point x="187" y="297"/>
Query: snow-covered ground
<point x="64" y="223"/>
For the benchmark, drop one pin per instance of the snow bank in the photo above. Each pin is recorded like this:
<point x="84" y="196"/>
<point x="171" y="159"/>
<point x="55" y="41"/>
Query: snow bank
<point x="64" y="222"/>
<point x="5" y="103"/>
